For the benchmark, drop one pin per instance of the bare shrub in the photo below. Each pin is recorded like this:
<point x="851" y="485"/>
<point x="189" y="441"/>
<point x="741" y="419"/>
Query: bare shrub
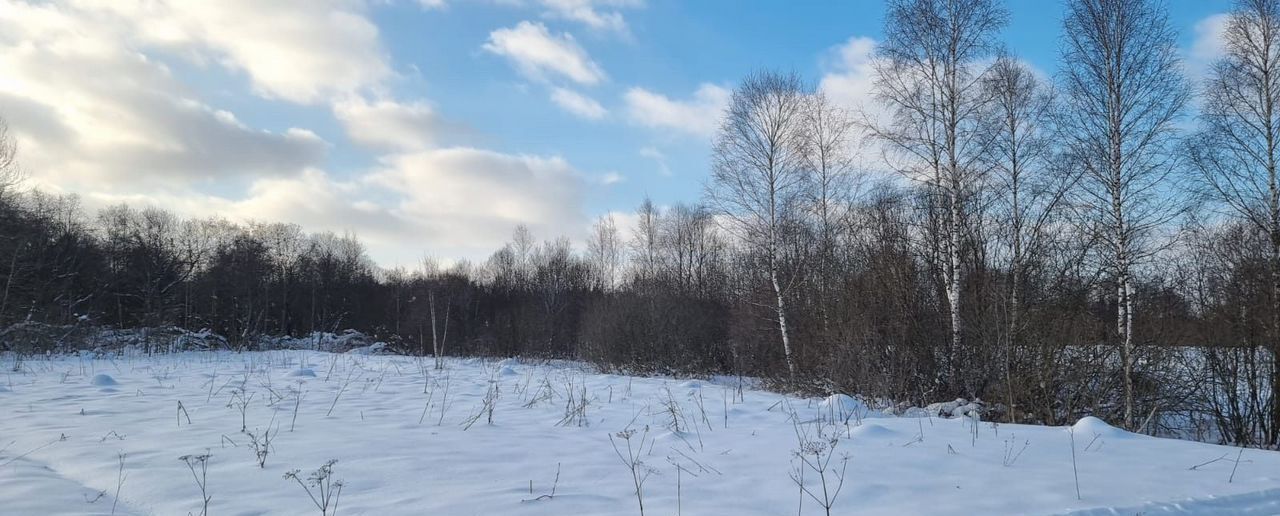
<point x="199" y="466"/>
<point x="321" y="487"/>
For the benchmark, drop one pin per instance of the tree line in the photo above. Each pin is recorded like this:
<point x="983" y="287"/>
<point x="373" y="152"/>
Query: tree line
<point x="1056" y="246"/>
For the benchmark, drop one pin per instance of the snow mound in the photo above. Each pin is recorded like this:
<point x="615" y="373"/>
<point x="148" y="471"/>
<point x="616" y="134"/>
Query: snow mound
<point x="1090" y="426"/>
<point x="507" y="367"/>
<point x="873" y="431"/>
<point x="103" y="380"/>
<point x="303" y="372"/>
<point x="842" y="407"/>
<point x="4" y="389"/>
<point x="666" y="435"/>
<point x="691" y="384"/>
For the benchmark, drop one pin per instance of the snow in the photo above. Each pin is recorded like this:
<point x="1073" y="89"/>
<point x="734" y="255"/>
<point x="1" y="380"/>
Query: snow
<point x="1090" y="427"/>
<point x="959" y="407"/>
<point x="349" y="341"/>
<point x="839" y="408"/>
<point x="872" y="431"/>
<point x="398" y="453"/>
<point x="103" y="380"/>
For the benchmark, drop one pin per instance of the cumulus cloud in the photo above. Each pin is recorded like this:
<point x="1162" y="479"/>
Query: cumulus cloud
<point x="303" y="51"/>
<point x="455" y="202"/>
<point x="578" y="104"/>
<point x="89" y="91"/>
<point x="317" y="201"/>
<point x="467" y="200"/>
<point x="596" y="14"/>
<point x="1208" y="45"/>
<point x="89" y="110"/>
<point x="699" y="115"/>
<point x="387" y="124"/>
<point x="538" y="54"/>
<point x="849" y="75"/>
<point x="611" y="178"/>
<point x="659" y="159"/>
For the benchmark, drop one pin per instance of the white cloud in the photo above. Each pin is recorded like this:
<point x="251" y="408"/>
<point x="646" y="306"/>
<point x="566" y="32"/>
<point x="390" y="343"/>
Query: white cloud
<point x="1208" y="45"/>
<point x="596" y="14"/>
<point x="91" y="111"/>
<point x="303" y="51"/>
<point x="317" y="202"/>
<point x="611" y="178"/>
<point x="699" y="116"/>
<point x="387" y="124"/>
<point x="658" y="158"/>
<point x="850" y="75"/>
<point x="433" y="4"/>
<point x="98" y="112"/>
<point x="578" y="104"/>
<point x="454" y="202"/>
<point x="466" y="201"/>
<point x="537" y="53"/>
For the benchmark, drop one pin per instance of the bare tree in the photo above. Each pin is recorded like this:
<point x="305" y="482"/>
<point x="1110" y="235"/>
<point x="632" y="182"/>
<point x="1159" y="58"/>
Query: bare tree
<point x="285" y="244"/>
<point x="829" y="133"/>
<point x="436" y="280"/>
<point x="10" y="173"/>
<point x="690" y="250"/>
<point x="759" y="175"/>
<point x="10" y="176"/>
<point x="1238" y="147"/>
<point x="1123" y="91"/>
<point x="644" y="241"/>
<point x="604" y="252"/>
<point x="1026" y="187"/>
<point x="930" y="75"/>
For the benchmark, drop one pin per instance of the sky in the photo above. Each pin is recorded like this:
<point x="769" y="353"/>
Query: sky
<point x="428" y="127"/>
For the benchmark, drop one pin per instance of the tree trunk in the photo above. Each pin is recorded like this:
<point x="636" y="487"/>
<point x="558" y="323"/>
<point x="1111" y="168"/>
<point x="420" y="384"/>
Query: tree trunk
<point x="1015" y="309"/>
<point x="435" y="341"/>
<point x="1274" y="437"/>
<point x="953" y="288"/>
<point x="1126" y="323"/>
<point x="1274" y="205"/>
<point x="782" y="317"/>
<point x="13" y="269"/>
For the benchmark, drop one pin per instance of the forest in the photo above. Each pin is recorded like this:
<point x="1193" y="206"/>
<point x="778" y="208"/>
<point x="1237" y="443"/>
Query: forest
<point x="1101" y="241"/>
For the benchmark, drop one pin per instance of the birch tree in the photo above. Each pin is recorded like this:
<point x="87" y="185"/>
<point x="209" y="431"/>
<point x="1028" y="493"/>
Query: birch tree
<point x="929" y="75"/>
<point x="1238" y="147"/>
<point x="758" y="176"/>
<point x="1123" y="90"/>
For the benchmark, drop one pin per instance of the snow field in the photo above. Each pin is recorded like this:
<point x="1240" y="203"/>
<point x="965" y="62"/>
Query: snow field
<point x="410" y="439"/>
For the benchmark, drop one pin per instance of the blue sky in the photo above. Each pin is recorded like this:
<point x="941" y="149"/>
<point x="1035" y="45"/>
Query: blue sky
<point x="424" y="126"/>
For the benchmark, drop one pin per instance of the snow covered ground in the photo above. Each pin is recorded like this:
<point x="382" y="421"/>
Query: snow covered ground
<point x="64" y="423"/>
